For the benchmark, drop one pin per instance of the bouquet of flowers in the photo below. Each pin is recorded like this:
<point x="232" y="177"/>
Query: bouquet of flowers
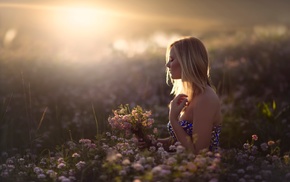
<point x="132" y="121"/>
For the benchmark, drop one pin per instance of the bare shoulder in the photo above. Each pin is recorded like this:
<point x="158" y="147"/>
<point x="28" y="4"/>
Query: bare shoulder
<point x="209" y="97"/>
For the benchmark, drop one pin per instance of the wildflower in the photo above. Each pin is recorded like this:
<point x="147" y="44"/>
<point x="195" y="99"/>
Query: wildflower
<point x="159" y="144"/>
<point x="264" y="146"/>
<point x="180" y="149"/>
<point x="126" y="162"/>
<point x="172" y="147"/>
<point x="85" y="141"/>
<point x="43" y="161"/>
<point x="240" y="171"/>
<point x="38" y="170"/>
<point x="258" y="177"/>
<point x="266" y="173"/>
<point x="4" y="173"/>
<point x="71" y="145"/>
<point x="60" y="160"/>
<point x="165" y="172"/>
<point x="113" y="155"/>
<point x="275" y="158"/>
<point x="171" y="161"/>
<point x="75" y="155"/>
<point x="123" y="173"/>
<point x="181" y="168"/>
<point x="177" y="180"/>
<point x="186" y="174"/>
<point x="242" y="180"/>
<point x="21" y="161"/>
<point x="213" y="180"/>
<point x="138" y="167"/>
<point x="129" y="152"/>
<point x="251" y="158"/>
<point x="191" y="166"/>
<point x="250" y="168"/>
<point x="108" y="134"/>
<point x="61" y="165"/>
<point x="155" y="130"/>
<point x="152" y="149"/>
<point x="51" y="173"/>
<point x="271" y="142"/>
<point x="150" y="159"/>
<point x="72" y="178"/>
<point x="63" y="179"/>
<point x="246" y="146"/>
<point x="218" y="155"/>
<point x="254" y="137"/>
<point x="156" y="169"/>
<point x="254" y="149"/>
<point x="80" y="165"/>
<point x="9" y="161"/>
<point x="41" y="176"/>
<point x="287" y="176"/>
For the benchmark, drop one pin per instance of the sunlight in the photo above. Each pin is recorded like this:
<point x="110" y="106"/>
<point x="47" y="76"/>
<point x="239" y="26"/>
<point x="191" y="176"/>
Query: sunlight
<point x="82" y="19"/>
<point x="9" y="37"/>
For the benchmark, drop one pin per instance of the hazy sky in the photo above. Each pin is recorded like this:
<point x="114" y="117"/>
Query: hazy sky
<point x="112" y="23"/>
<point x="149" y="15"/>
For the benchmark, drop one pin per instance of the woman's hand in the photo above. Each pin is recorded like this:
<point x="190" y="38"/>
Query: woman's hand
<point x="176" y="106"/>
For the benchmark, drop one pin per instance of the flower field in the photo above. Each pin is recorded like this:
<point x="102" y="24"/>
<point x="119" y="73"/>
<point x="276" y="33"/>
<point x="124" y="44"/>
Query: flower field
<point x="54" y="115"/>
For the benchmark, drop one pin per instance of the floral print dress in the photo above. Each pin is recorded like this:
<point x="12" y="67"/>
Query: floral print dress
<point x="187" y="126"/>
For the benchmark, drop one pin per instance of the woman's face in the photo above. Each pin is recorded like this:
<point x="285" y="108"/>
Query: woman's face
<point x="174" y="66"/>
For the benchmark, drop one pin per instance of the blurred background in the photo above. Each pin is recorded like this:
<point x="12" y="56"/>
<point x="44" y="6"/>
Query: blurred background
<point x="64" y="65"/>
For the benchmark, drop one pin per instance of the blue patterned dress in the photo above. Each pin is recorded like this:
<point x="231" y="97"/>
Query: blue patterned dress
<point x="187" y="126"/>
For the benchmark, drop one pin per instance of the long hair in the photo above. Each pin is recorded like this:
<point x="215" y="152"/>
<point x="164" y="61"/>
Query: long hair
<point x="193" y="59"/>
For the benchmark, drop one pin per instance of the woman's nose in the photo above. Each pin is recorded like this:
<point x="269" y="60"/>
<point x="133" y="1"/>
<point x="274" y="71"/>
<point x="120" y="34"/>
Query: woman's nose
<point x="167" y="64"/>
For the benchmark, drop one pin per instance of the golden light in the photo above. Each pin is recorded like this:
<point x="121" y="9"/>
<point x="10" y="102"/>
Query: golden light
<point x="82" y="20"/>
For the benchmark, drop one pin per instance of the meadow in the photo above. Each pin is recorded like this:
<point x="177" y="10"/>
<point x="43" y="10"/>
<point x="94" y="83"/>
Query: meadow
<point x="54" y="115"/>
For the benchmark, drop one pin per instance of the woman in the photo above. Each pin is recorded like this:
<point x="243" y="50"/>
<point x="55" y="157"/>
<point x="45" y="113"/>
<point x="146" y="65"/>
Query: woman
<point x="194" y="113"/>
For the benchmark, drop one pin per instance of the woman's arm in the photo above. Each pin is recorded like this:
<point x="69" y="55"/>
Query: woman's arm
<point x="205" y="111"/>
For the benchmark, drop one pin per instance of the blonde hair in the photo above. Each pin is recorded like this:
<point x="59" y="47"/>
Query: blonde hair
<point x="193" y="59"/>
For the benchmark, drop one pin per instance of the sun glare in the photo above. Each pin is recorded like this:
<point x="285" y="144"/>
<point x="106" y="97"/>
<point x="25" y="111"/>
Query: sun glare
<point x="82" y="19"/>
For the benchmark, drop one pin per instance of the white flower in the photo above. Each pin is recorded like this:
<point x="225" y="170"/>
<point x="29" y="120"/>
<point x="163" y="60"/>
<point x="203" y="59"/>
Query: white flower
<point x="75" y="155"/>
<point x="180" y="149"/>
<point x="126" y="162"/>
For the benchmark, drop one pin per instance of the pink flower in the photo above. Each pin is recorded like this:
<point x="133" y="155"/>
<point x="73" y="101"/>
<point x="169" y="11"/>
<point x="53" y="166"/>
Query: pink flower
<point x="61" y="165"/>
<point x="254" y="137"/>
